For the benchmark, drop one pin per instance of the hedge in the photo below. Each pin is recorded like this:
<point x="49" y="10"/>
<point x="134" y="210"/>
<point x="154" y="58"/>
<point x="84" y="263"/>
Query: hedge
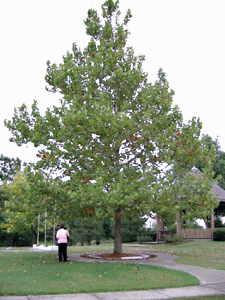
<point x="219" y="235"/>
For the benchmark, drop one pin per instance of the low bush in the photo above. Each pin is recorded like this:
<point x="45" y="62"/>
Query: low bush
<point x="167" y="239"/>
<point x="173" y="239"/>
<point x="219" y="235"/>
<point x="146" y="235"/>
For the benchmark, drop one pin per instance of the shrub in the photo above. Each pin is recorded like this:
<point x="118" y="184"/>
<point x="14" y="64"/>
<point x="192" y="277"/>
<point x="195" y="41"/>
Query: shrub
<point x="178" y="238"/>
<point x="146" y="235"/>
<point x="219" y="235"/>
<point x="175" y="239"/>
<point x="167" y="239"/>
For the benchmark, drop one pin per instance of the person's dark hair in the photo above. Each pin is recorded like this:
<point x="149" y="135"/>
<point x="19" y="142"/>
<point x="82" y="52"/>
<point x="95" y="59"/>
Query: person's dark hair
<point x="61" y="225"/>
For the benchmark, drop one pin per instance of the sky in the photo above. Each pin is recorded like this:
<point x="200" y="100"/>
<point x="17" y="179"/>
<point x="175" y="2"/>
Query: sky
<point x="184" y="38"/>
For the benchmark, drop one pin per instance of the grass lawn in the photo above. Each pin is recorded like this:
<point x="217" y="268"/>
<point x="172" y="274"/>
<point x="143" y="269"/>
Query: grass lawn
<point x="202" y="254"/>
<point x="34" y="273"/>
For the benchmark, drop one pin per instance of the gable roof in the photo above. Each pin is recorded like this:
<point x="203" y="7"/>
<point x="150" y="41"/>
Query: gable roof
<point x="215" y="189"/>
<point x="219" y="191"/>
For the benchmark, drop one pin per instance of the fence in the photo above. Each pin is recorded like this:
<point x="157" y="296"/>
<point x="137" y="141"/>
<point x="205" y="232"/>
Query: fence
<point x="196" y="233"/>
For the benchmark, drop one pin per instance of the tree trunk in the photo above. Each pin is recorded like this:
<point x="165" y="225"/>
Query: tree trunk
<point x="118" y="236"/>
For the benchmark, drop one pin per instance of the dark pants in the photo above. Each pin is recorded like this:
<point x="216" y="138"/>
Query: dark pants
<point x="62" y="251"/>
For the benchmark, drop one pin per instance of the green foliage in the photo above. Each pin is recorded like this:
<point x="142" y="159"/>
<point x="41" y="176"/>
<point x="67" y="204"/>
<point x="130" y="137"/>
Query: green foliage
<point x="18" y="213"/>
<point x="219" y="235"/>
<point x="107" y="228"/>
<point x="219" y="223"/>
<point x="8" y="168"/>
<point x="131" y="228"/>
<point x="113" y="140"/>
<point x="218" y="168"/>
<point x="219" y="211"/>
<point x="190" y="225"/>
<point x="85" y="231"/>
<point x="146" y="235"/>
<point x="4" y="238"/>
<point x="170" y="226"/>
<point x="174" y="239"/>
<point x="219" y="163"/>
<point x="22" y="238"/>
<point x="3" y="198"/>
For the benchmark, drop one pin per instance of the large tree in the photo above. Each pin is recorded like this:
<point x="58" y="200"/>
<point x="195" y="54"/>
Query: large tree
<point x="114" y="137"/>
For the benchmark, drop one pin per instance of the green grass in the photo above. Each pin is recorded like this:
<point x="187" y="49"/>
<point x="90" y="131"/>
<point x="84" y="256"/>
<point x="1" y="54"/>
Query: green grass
<point x="24" y="273"/>
<point x="202" y="254"/>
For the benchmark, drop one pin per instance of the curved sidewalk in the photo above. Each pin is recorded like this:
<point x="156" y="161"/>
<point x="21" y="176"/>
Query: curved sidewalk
<point x="212" y="282"/>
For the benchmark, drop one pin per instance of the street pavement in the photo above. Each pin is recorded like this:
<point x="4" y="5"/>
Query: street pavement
<point x="211" y="282"/>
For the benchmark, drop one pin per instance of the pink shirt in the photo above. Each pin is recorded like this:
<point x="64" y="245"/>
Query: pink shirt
<point x="62" y="235"/>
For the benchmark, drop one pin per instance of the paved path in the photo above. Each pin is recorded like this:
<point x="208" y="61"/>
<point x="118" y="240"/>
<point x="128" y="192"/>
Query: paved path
<point x="212" y="282"/>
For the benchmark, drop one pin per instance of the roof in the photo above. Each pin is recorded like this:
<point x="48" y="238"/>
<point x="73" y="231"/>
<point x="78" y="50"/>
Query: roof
<point x="219" y="191"/>
<point x="215" y="189"/>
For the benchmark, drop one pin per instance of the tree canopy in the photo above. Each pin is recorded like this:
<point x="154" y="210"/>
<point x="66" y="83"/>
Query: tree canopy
<point x="219" y="162"/>
<point x="111" y="144"/>
<point x="8" y="168"/>
<point x="218" y="168"/>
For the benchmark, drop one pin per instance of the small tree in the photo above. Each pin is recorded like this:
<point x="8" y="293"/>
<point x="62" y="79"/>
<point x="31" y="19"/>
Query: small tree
<point x="114" y="137"/>
<point x="16" y="214"/>
<point x="27" y="197"/>
<point x="131" y="228"/>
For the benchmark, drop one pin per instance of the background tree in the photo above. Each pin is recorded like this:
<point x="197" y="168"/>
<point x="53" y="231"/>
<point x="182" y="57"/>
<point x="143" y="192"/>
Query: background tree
<point x="218" y="168"/>
<point x="8" y="168"/>
<point x="219" y="162"/>
<point x="114" y="137"/>
<point x="107" y="228"/>
<point x="86" y="230"/>
<point x="27" y="197"/>
<point x="219" y="223"/>
<point x="132" y="228"/>
<point x="17" y="213"/>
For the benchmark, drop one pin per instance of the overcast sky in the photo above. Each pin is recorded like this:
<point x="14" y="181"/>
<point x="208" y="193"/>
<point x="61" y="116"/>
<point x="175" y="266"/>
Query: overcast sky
<point x="184" y="38"/>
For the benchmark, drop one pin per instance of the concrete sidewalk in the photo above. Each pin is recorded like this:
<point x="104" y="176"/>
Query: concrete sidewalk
<point x="192" y="291"/>
<point x="212" y="282"/>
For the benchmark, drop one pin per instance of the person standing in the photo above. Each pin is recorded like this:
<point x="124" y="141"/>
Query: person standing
<point x="62" y="235"/>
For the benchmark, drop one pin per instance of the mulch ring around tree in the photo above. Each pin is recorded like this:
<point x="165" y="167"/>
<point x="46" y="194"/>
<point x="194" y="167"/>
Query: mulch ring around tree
<point x="115" y="256"/>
